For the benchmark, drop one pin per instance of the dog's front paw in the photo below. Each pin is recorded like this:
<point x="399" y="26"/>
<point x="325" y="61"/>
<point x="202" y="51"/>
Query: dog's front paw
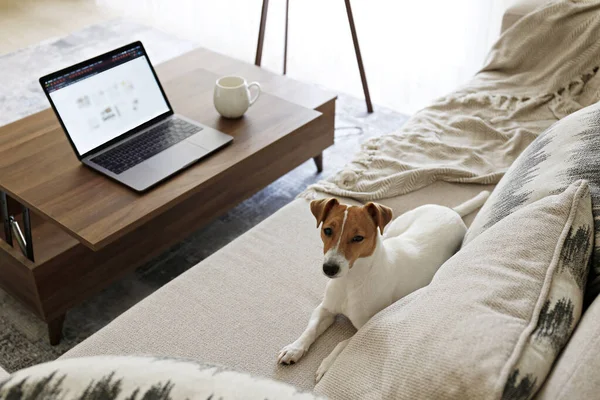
<point x="325" y="364"/>
<point x="290" y="354"/>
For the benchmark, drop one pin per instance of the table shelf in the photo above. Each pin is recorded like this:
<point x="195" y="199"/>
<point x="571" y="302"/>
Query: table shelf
<point x="49" y="240"/>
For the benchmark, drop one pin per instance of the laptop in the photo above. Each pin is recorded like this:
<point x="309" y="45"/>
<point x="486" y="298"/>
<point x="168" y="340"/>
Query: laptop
<point x="119" y="122"/>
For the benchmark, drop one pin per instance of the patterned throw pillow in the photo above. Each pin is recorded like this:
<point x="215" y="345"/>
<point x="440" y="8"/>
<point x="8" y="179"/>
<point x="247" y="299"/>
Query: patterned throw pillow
<point x="567" y="151"/>
<point x="491" y="322"/>
<point x="139" y="378"/>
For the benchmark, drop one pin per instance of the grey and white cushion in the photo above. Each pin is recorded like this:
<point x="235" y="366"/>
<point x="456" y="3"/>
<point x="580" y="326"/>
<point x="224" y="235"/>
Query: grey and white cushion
<point x="139" y="378"/>
<point x="567" y="151"/>
<point x="492" y="321"/>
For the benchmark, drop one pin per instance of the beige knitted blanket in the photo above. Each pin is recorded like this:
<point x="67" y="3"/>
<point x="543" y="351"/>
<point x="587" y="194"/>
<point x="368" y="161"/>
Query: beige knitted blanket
<point x="540" y="70"/>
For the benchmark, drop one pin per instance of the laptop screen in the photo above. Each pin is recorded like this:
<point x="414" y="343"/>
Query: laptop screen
<point x="106" y="98"/>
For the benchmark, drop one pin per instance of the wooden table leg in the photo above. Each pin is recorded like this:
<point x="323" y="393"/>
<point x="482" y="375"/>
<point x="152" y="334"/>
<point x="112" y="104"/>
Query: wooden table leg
<point x="319" y="162"/>
<point x="55" y="328"/>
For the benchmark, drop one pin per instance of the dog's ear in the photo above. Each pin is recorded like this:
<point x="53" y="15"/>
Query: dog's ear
<point x="382" y="215"/>
<point x="321" y="208"/>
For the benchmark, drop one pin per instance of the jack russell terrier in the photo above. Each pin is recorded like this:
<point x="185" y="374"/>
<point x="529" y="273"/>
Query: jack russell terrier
<point x="370" y="271"/>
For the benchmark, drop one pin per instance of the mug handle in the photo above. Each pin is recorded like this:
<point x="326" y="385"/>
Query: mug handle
<point x="258" y="91"/>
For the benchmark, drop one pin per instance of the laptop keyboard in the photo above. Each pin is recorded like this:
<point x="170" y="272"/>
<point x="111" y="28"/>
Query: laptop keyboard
<point x="146" y="145"/>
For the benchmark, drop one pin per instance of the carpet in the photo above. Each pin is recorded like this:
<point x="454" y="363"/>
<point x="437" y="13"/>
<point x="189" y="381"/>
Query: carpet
<point x="23" y="338"/>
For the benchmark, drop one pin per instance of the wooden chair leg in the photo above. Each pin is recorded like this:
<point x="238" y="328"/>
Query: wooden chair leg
<point x="55" y="328"/>
<point x="261" y="32"/>
<point x="285" y="43"/>
<point x="363" y="76"/>
<point x="319" y="162"/>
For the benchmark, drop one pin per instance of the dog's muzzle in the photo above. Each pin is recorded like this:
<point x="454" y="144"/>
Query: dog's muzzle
<point x="331" y="269"/>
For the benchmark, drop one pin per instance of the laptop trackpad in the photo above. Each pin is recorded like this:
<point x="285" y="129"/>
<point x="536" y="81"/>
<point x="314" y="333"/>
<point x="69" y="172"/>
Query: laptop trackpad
<point x="162" y="165"/>
<point x="176" y="157"/>
<point x="210" y="139"/>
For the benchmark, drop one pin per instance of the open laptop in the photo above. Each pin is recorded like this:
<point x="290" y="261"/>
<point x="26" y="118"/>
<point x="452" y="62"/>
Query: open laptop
<point x="120" y="123"/>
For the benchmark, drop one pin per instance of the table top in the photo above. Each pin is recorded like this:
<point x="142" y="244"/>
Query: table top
<point x="39" y="169"/>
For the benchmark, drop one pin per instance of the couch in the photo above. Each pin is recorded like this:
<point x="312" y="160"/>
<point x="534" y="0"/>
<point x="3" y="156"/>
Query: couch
<point x="241" y="305"/>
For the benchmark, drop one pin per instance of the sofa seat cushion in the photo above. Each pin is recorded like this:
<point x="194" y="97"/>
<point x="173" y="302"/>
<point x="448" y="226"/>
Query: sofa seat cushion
<point x="241" y="305"/>
<point x="120" y="377"/>
<point x="491" y="322"/>
<point x="3" y="374"/>
<point x="236" y="308"/>
<point x="442" y="193"/>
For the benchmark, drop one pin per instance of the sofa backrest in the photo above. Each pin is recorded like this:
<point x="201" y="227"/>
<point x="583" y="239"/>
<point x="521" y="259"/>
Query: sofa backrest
<point x="517" y="9"/>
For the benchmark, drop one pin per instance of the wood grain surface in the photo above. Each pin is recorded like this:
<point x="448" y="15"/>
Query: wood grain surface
<point x="38" y="167"/>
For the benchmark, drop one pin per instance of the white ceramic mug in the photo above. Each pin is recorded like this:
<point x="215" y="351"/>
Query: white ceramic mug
<point x="232" y="96"/>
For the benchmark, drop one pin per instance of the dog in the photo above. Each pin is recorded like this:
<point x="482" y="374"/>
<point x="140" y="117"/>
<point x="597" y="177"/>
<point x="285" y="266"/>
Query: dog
<point x="370" y="270"/>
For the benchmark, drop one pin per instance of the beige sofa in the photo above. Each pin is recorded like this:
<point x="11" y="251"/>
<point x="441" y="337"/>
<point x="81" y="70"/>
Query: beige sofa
<point x="241" y="305"/>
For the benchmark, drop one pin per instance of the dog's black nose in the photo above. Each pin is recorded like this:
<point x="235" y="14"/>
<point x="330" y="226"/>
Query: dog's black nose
<point x="331" y="269"/>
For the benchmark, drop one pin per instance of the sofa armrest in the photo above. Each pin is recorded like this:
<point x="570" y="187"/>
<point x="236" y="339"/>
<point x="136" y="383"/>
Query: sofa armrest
<point x="517" y="9"/>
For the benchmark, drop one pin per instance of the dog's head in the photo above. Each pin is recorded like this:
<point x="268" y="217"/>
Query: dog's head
<point x="348" y="232"/>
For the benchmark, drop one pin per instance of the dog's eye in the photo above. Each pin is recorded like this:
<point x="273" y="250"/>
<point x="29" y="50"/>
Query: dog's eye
<point x="327" y="231"/>
<point x="357" y="239"/>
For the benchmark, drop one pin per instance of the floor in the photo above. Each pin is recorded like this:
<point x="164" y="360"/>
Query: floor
<point x="27" y="22"/>
<point x="413" y="51"/>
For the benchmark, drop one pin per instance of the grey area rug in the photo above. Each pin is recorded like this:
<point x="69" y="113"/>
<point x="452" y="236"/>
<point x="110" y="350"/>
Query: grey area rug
<point x="23" y="339"/>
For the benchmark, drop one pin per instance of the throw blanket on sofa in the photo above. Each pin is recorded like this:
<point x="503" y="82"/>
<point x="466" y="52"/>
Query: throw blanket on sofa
<point x="541" y="69"/>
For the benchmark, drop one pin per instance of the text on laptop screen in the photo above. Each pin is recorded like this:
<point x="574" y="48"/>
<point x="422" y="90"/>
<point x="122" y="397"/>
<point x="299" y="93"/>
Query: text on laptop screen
<point x="107" y="98"/>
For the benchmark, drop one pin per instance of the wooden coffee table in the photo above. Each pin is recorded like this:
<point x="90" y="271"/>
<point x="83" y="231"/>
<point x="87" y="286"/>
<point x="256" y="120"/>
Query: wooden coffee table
<point x="87" y="230"/>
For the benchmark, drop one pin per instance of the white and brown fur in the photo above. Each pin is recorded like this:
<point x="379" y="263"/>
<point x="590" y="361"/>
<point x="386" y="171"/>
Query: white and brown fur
<point x="370" y="270"/>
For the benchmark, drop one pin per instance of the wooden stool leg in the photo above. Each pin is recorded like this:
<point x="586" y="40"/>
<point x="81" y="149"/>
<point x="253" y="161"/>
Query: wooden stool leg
<point x="363" y="76"/>
<point x="261" y="32"/>
<point x="319" y="162"/>
<point x="55" y="328"/>
<point x="285" y="43"/>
